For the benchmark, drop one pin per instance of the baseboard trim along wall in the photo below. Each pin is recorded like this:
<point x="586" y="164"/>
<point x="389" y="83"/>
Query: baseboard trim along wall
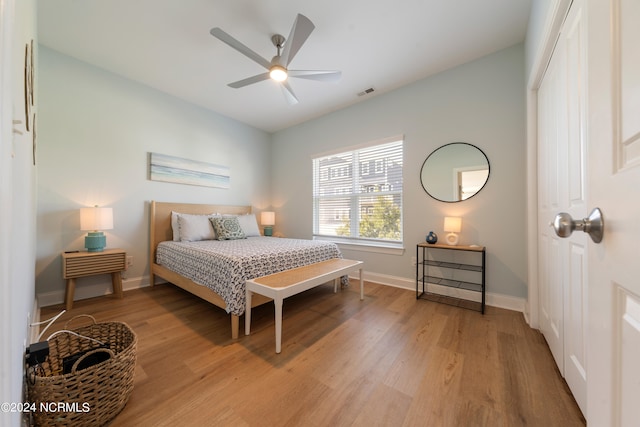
<point x="46" y="299"/>
<point x="494" y="300"/>
<point x="101" y="289"/>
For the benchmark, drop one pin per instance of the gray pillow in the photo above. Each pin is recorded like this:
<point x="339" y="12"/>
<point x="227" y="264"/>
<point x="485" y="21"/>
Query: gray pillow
<point x="249" y="225"/>
<point x="194" y="227"/>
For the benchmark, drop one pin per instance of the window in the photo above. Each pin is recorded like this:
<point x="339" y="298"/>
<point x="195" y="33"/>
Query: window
<point x="364" y="168"/>
<point x="364" y="206"/>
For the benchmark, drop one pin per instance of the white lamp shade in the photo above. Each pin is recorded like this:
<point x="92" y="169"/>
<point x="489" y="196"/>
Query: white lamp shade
<point x="268" y="218"/>
<point x="452" y="224"/>
<point x="96" y="218"/>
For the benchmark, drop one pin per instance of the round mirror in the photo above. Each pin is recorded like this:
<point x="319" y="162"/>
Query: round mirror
<point x="455" y="172"/>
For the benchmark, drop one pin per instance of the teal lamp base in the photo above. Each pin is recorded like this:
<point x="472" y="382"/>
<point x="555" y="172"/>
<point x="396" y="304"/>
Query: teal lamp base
<point x="268" y="230"/>
<point x="95" y="241"/>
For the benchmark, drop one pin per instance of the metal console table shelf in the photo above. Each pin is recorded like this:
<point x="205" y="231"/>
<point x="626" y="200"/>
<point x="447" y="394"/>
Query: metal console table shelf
<point x="453" y="284"/>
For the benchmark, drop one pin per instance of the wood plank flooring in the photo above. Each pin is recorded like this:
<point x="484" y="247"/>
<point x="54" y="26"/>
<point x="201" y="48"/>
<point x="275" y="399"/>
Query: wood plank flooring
<point x="389" y="360"/>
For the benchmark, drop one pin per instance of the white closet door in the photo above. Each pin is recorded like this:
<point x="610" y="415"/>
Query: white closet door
<point x="562" y="186"/>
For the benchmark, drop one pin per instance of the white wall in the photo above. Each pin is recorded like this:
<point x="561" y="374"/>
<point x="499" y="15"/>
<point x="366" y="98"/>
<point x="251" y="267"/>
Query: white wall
<point x="545" y="20"/>
<point x="17" y="202"/>
<point x="482" y="103"/>
<point x="96" y="130"/>
<point x="535" y="29"/>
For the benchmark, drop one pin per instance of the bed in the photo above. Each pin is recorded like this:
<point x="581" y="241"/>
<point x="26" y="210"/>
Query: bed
<point x="216" y="271"/>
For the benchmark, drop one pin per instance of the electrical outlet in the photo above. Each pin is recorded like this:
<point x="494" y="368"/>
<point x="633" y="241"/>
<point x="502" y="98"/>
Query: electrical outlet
<point x="414" y="261"/>
<point x="129" y="261"/>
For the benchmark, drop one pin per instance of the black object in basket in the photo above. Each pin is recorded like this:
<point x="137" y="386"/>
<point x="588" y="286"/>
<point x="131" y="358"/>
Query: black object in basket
<point x="95" y="390"/>
<point x="84" y="360"/>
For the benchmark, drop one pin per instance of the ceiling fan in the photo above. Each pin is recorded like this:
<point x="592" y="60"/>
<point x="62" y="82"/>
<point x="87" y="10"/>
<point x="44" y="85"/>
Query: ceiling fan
<point x="278" y="66"/>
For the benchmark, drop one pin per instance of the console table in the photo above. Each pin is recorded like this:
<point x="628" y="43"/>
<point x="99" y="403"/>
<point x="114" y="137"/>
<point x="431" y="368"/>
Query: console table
<point x="439" y="267"/>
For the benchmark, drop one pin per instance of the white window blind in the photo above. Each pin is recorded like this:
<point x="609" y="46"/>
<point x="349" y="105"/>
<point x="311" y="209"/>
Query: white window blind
<point x="357" y="195"/>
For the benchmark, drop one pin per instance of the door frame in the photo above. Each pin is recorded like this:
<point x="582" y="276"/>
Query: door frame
<point x="553" y="24"/>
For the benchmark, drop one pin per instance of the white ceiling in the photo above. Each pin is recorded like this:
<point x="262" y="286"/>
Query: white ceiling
<point x="383" y="44"/>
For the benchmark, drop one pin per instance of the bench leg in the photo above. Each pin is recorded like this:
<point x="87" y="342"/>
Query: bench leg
<point x="361" y="286"/>
<point x="278" y="303"/>
<point x="247" y="313"/>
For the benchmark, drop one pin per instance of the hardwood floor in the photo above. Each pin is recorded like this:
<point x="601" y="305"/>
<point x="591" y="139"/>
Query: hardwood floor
<point x="386" y="361"/>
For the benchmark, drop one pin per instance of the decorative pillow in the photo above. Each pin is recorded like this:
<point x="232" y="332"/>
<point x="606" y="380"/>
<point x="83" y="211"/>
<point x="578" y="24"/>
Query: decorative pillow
<point x="249" y="225"/>
<point x="195" y="227"/>
<point x="174" y="226"/>
<point x="227" y="228"/>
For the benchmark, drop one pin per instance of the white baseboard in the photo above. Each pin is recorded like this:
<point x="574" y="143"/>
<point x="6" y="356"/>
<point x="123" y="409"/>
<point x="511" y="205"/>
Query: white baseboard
<point x="46" y="299"/>
<point x="505" y="301"/>
<point x="494" y="300"/>
<point x="91" y="291"/>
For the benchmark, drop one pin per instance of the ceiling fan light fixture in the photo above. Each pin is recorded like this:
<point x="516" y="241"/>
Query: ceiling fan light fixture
<point x="278" y="73"/>
<point x="277" y="68"/>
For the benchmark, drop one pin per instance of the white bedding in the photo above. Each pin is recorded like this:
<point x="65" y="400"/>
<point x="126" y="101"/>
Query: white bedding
<point x="225" y="265"/>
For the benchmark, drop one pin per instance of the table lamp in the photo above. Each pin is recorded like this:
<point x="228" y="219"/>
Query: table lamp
<point x="268" y="220"/>
<point x="94" y="220"/>
<point x="452" y="225"/>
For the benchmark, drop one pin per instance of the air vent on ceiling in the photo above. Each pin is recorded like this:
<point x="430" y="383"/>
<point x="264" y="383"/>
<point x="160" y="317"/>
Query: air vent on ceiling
<point x="366" y="92"/>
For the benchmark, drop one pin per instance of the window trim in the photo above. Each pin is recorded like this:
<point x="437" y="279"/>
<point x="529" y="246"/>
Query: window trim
<point x="389" y="248"/>
<point x="357" y="243"/>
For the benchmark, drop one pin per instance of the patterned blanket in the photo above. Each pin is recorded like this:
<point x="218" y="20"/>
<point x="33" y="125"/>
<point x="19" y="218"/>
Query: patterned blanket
<point x="224" y="266"/>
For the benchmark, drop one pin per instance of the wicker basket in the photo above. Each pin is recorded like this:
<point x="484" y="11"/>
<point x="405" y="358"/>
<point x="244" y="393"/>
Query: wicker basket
<point x="85" y="397"/>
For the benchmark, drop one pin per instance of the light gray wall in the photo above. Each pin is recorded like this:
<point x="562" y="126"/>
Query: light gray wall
<point x="96" y="130"/>
<point x="538" y="17"/>
<point x="482" y="103"/>
<point x="17" y="202"/>
<point x="545" y="20"/>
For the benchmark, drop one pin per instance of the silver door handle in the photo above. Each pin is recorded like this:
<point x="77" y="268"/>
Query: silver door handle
<point x="593" y="225"/>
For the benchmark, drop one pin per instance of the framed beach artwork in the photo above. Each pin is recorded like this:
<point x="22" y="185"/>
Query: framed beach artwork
<point x="29" y="95"/>
<point x="28" y="84"/>
<point x="190" y="172"/>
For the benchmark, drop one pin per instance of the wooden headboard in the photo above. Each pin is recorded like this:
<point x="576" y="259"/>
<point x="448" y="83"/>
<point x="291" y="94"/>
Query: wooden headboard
<point x="160" y="221"/>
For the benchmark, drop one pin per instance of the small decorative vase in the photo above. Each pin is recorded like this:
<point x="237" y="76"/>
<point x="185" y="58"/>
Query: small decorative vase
<point x="432" y="237"/>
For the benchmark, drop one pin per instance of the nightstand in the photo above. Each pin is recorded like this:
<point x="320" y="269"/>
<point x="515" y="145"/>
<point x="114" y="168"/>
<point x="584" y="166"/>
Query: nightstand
<point x="82" y="264"/>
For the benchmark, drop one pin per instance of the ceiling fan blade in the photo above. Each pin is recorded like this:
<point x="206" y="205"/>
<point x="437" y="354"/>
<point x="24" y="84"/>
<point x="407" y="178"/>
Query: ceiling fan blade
<point x="249" y="80"/>
<point x="302" y="28"/>
<point x="226" y="38"/>
<point x="323" y="76"/>
<point x="288" y="93"/>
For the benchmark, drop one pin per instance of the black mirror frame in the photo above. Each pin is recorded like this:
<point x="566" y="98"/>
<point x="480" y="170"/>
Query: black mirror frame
<point x="441" y="147"/>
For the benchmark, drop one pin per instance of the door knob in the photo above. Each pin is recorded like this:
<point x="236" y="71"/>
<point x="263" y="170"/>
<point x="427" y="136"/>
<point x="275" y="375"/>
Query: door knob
<point x="593" y="225"/>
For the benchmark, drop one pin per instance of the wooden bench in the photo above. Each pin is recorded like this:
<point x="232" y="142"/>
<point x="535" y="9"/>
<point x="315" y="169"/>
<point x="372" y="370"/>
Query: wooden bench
<point x="290" y="282"/>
